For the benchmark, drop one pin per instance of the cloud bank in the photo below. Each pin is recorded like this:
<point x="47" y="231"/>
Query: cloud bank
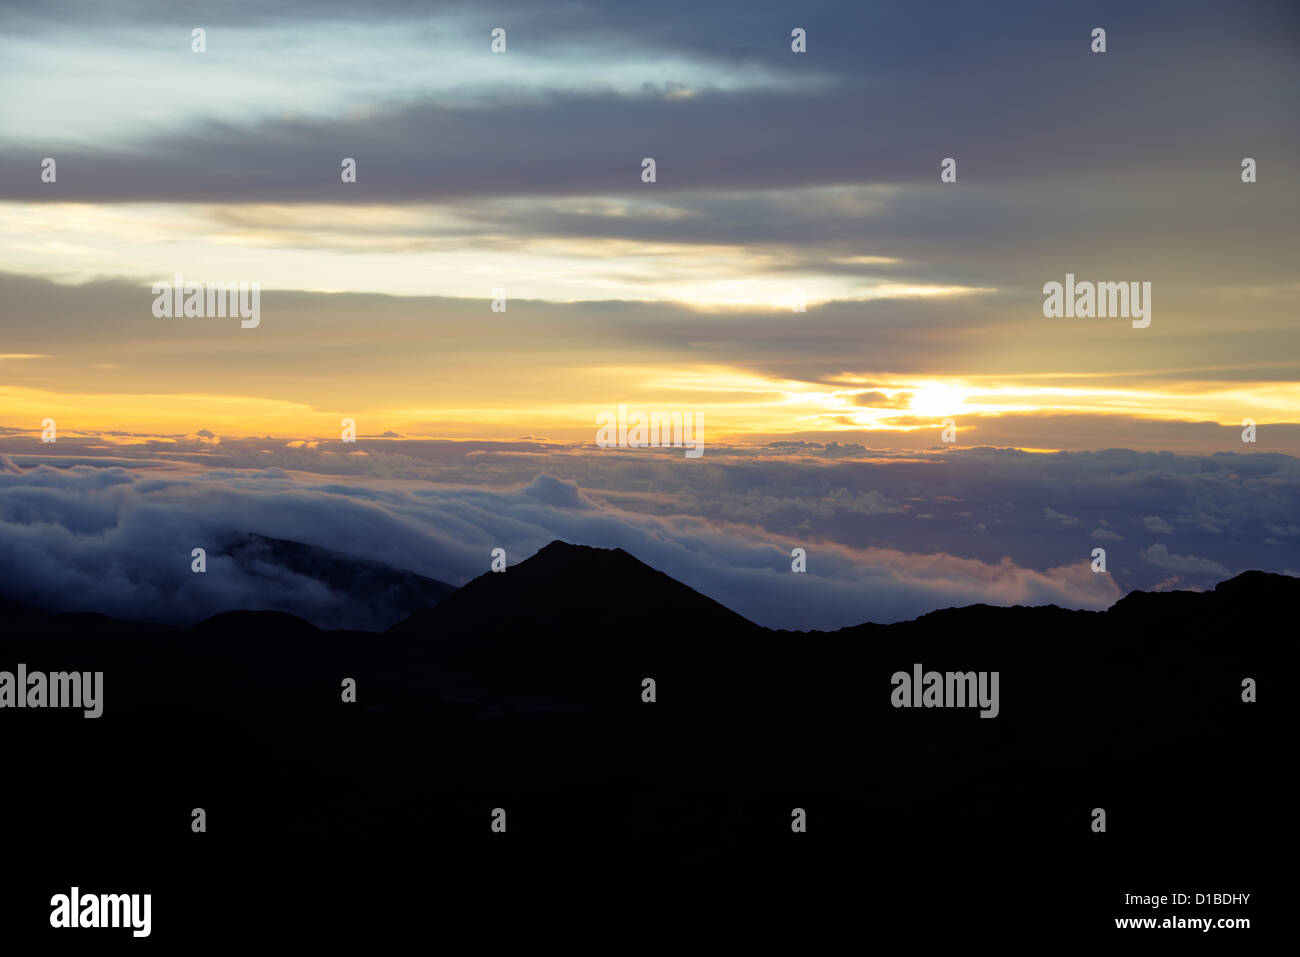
<point x="110" y="527"/>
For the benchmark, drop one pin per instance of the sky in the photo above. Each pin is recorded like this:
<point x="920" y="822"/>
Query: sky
<point x="780" y="178"/>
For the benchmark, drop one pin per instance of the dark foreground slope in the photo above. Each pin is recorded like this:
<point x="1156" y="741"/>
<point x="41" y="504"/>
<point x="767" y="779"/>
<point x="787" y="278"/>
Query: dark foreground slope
<point x="523" y="691"/>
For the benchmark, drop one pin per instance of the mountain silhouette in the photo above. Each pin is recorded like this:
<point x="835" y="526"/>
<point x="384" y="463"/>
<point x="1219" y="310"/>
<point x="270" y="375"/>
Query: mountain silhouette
<point x="526" y="690"/>
<point x="574" y="620"/>
<point x="564" y="581"/>
<point x="375" y="594"/>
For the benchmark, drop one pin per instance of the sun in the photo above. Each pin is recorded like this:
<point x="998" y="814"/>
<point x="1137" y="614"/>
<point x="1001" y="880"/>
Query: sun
<point x="936" y="399"/>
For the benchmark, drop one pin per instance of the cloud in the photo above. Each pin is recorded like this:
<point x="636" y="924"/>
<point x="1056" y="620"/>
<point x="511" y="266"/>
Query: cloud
<point x="557" y="492"/>
<point x="110" y="528"/>
<point x="879" y="400"/>
<point x="1061" y="517"/>
<point x="118" y="541"/>
<point x="1161" y="557"/>
<point x="493" y="131"/>
<point x="1154" y="523"/>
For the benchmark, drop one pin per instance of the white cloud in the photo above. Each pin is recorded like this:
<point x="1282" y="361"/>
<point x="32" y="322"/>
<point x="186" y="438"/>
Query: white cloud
<point x="1161" y="557"/>
<point x="1061" y="517"/>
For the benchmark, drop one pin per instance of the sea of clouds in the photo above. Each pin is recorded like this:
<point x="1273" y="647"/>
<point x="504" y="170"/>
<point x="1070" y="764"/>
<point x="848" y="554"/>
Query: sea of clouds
<point x="107" y="524"/>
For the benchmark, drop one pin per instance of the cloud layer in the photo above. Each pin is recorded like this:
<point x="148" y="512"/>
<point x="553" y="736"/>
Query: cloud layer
<point x="888" y="536"/>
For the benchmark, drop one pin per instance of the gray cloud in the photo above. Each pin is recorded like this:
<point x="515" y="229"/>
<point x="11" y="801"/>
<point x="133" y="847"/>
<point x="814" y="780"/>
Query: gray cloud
<point x="75" y="532"/>
<point x="92" y="337"/>
<point x="1160" y="556"/>
<point x="1023" y="102"/>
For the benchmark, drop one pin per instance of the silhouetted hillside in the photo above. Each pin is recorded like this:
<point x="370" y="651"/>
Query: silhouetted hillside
<point x="582" y="620"/>
<point x="564" y="581"/>
<point x="524" y="691"/>
<point x="332" y="589"/>
<point x="379" y="592"/>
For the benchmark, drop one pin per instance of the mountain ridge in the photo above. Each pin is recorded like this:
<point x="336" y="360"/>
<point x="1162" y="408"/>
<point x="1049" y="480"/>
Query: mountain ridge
<point x="619" y="716"/>
<point x="482" y="597"/>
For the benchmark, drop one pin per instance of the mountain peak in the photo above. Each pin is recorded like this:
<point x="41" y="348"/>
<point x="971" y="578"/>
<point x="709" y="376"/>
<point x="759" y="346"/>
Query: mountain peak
<point x="560" y="547"/>
<point x="257" y="624"/>
<point x="1256" y="580"/>
<point x="565" y="555"/>
<point x="577" y="581"/>
<point x="1248" y="588"/>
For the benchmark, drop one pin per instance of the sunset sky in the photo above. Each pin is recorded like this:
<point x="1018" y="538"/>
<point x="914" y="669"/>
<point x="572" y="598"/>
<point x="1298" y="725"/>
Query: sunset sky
<point x="778" y="175"/>
<point x="776" y="172"/>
